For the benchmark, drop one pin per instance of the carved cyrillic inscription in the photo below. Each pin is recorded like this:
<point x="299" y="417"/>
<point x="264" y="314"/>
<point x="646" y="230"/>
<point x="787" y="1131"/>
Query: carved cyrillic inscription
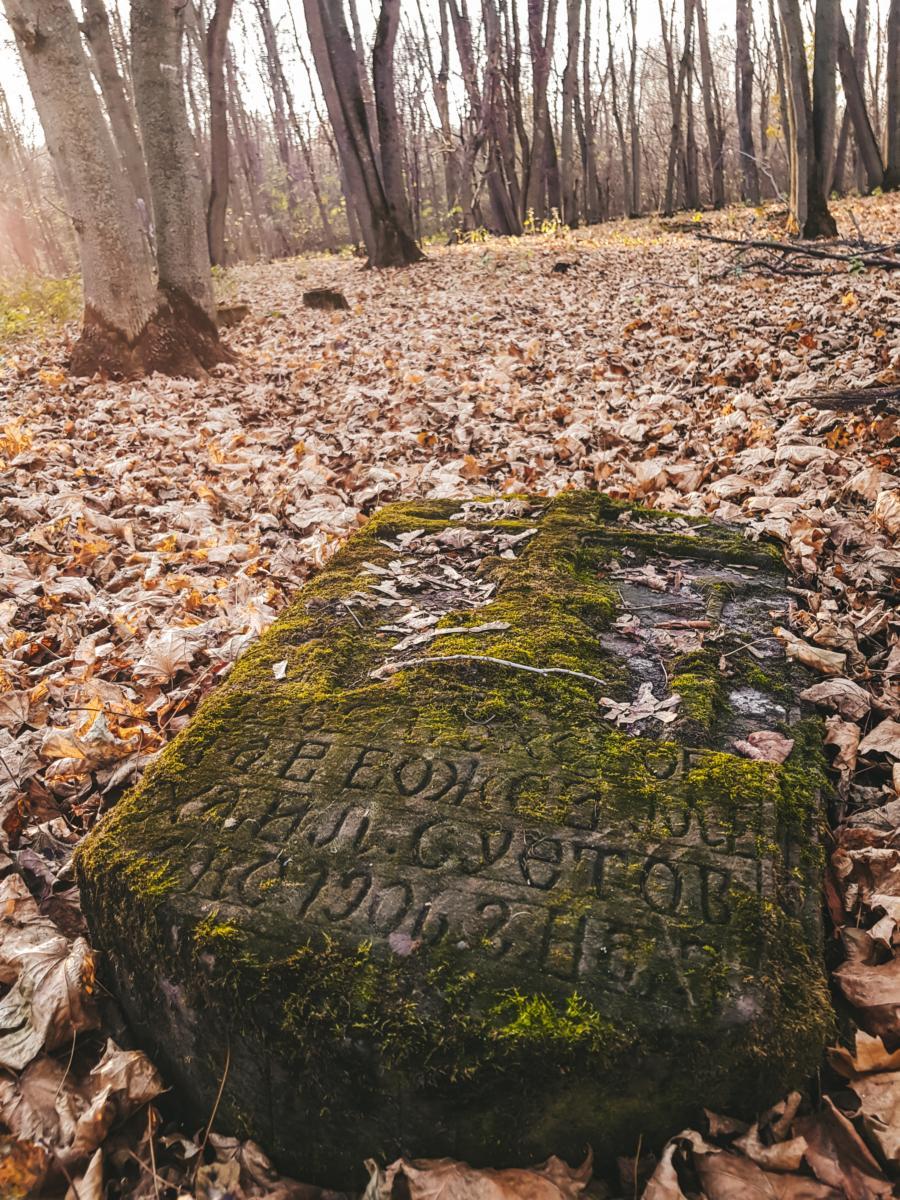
<point x="382" y="840"/>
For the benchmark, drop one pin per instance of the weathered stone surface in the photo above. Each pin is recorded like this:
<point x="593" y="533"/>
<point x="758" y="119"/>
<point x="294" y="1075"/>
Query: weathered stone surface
<point x="453" y="907"/>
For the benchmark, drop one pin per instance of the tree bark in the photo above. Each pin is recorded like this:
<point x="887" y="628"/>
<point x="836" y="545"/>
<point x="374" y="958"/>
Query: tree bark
<point x="120" y="295"/>
<point x="216" y="44"/>
<point x="97" y="32"/>
<point x="712" y="109"/>
<point x="858" y="115"/>
<point x="541" y="32"/>
<point x="569" y="183"/>
<point x="387" y="243"/>
<point x="182" y="249"/>
<point x="892" y="173"/>
<point x="744" y="103"/>
<point x="389" y="134"/>
<point x="810" y="116"/>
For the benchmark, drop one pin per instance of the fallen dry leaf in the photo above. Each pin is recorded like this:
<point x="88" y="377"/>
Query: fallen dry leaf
<point x="766" y="745"/>
<point x="883" y="739"/>
<point x="826" y="662"/>
<point x="445" y="1179"/>
<point x="842" y="696"/>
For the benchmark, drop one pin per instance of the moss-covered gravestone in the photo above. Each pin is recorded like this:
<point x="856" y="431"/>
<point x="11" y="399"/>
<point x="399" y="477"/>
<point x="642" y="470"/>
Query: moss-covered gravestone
<point x="445" y="866"/>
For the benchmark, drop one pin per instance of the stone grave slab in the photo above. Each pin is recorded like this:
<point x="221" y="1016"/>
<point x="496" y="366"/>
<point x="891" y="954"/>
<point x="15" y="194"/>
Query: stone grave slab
<point x="444" y="867"/>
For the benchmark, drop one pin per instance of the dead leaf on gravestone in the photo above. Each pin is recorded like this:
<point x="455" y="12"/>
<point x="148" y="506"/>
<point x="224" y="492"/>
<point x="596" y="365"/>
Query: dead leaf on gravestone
<point x="826" y="662"/>
<point x="445" y="1179"/>
<point x="765" y="745"/>
<point x="883" y="739"/>
<point x="842" y="696"/>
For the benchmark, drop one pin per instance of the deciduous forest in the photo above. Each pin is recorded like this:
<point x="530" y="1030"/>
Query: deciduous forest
<point x="449" y="639"/>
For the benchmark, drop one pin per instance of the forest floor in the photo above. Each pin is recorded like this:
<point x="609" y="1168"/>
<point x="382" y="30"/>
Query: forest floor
<point x="149" y="531"/>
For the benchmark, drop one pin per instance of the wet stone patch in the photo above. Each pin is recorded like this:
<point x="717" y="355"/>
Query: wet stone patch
<point x="463" y="858"/>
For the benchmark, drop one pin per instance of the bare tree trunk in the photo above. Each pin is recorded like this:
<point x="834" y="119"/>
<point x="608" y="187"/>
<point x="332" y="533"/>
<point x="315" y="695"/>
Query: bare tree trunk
<point x="819" y="221"/>
<point x="744" y="102"/>
<point x="96" y="29"/>
<point x="691" y="171"/>
<point x="589" y="151"/>
<point x="712" y="108"/>
<point x="389" y="134"/>
<point x="892" y="173"/>
<point x="634" y="204"/>
<point x="570" y="93"/>
<point x="811" y="117"/>
<point x="216" y="43"/>
<point x="387" y="243"/>
<point x="540" y="38"/>
<point x="617" y="112"/>
<point x="120" y="295"/>
<point x="279" y="114"/>
<point x="129" y="326"/>
<point x="182" y="249"/>
<point x="857" y="113"/>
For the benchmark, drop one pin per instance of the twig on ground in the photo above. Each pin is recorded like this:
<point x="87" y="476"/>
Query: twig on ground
<point x="392" y="668"/>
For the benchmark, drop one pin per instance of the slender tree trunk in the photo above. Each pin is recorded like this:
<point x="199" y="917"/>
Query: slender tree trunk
<point x="589" y="152"/>
<point x="819" y="221"/>
<point x="389" y="134"/>
<point x="216" y="43"/>
<point x="744" y="103"/>
<point x="387" y="243"/>
<point x="540" y="37"/>
<point x="568" y="173"/>
<point x="857" y="113"/>
<point x="715" y="128"/>
<point x="96" y="29"/>
<point x="892" y="173"/>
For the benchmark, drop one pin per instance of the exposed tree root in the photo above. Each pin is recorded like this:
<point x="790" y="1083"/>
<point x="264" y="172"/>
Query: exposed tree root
<point x="884" y="399"/>
<point x="179" y="339"/>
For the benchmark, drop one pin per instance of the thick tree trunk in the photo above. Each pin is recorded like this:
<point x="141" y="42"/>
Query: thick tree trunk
<point x="892" y="173"/>
<point x="744" y="102"/>
<point x="96" y="29"/>
<point x="121" y="299"/>
<point x="182" y="250"/>
<point x="216" y="43"/>
<point x="810" y="117"/>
